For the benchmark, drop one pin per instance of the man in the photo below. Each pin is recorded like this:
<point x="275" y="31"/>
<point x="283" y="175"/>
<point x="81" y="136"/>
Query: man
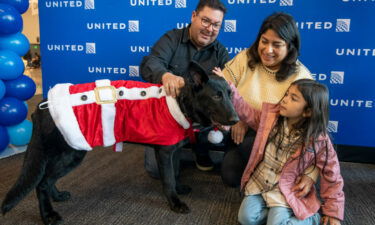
<point x="171" y="55"/>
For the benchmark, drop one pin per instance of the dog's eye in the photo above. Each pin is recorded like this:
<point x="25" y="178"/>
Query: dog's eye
<point x="218" y="96"/>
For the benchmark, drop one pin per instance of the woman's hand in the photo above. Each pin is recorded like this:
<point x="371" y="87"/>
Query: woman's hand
<point x="327" y="220"/>
<point x="218" y="72"/>
<point x="238" y="132"/>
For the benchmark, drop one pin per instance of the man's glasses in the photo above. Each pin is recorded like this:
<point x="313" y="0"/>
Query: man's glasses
<point x="207" y="23"/>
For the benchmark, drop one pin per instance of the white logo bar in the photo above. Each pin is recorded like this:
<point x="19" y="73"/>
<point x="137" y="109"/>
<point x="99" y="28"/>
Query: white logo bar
<point x="333" y="126"/>
<point x="133" y="71"/>
<point x="343" y="25"/>
<point x="90" y="48"/>
<point x="89" y="4"/>
<point x="133" y="25"/>
<point x="230" y="26"/>
<point x="180" y="4"/>
<point x="337" y="77"/>
<point x="286" y="2"/>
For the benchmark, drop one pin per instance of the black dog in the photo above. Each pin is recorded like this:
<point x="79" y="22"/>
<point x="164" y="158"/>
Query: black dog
<point x="48" y="157"/>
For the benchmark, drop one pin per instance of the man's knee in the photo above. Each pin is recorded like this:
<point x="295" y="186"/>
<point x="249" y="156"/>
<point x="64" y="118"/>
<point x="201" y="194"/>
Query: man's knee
<point x="246" y="146"/>
<point x="232" y="168"/>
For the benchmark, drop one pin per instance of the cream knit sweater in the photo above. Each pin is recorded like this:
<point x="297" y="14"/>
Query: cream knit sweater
<point x="258" y="86"/>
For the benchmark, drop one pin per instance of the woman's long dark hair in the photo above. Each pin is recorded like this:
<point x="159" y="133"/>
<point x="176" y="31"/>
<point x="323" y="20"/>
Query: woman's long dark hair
<point x="285" y="26"/>
<point x="310" y="128"/>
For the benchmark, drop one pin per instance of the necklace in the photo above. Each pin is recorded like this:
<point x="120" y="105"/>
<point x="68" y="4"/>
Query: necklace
<point x="271" y="72"/>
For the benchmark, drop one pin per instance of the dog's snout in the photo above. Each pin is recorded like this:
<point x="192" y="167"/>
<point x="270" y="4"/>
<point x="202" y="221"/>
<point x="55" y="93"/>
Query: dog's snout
<point x="233" y="119"/>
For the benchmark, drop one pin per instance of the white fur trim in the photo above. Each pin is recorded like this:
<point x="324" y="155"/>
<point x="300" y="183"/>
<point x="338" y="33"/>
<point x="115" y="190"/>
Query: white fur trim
<point x="62" y="114"/>
<point x="128" y="93"/>
<point x="135" y="93"/>
<point x="176" y="112"/>
<point x="76" y="99"/>
<point x="108" y="113"/>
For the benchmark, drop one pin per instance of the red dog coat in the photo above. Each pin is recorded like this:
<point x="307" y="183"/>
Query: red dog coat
<point x="108" y="112"/>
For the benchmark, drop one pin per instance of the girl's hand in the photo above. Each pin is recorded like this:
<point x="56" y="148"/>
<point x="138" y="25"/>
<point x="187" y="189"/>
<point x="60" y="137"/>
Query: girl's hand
<point x="327" y="220"/>
<point x="238" y="132"/>
<point x="303" y="186"/>
<point x="218" y="71"/>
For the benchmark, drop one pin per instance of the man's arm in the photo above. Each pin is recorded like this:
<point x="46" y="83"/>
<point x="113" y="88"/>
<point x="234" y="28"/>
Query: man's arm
<point x="155" y="65"/>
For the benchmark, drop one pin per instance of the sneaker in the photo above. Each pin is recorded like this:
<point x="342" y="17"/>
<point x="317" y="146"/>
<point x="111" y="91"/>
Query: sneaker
<point x="204" y="162"/>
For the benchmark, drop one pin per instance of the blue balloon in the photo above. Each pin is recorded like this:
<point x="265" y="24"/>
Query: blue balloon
<point x="20" y="5"/>
<point x="26" y="105"/>
<point x="10" y="20"/>
<point x="20" y="134"/>
<point x="2" y="89"/>
<point x="17" y="42"/>
<point x="11" y="65"/>
<point x="23" y="88"/>
<point x="12" y="111"/>
<point x="4" y="138"/>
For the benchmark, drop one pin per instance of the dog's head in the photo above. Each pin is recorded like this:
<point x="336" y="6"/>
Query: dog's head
<point x="211" y="98"/>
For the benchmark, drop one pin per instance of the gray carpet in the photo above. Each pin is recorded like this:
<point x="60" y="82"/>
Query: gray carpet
<point x="113" y="188"/>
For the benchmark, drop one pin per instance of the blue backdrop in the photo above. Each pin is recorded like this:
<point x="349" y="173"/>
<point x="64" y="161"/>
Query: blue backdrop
<point x="86" y="40"/>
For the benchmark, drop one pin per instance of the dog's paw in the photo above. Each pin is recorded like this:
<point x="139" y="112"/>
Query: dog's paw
<point x="53" y="218"/>
<point x="180" y="207"/>
<point x="5" y="208"/>
<point x="61" y="196"/>
<point x="183" y="189"/>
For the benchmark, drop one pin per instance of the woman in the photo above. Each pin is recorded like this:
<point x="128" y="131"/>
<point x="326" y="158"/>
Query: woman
<point x="262" y="73"/>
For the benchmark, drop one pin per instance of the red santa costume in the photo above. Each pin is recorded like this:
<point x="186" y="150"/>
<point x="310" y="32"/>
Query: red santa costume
<point x="109" y="112"/>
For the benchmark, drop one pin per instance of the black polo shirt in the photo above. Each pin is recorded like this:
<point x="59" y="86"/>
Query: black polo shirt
<point x="174" y="51"/>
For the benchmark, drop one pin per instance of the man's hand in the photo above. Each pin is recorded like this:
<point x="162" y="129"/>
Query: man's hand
<point x="172" y="84"/>
<point x="303" y="186"/>
<point x="327" y="220"/>
<point x="238" y="132"/>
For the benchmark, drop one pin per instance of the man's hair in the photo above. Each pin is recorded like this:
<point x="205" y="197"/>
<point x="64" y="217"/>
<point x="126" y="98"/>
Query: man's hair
<point x="214" y="4"/>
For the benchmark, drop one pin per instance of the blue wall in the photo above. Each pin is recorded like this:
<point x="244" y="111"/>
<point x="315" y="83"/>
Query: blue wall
<point x="86" y="40"/>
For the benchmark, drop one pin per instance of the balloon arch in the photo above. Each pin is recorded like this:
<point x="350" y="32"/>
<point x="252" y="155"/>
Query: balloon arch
<point x="15" y="87"/>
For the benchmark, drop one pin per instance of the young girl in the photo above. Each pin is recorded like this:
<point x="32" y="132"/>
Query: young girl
<point x="291" y="136"/>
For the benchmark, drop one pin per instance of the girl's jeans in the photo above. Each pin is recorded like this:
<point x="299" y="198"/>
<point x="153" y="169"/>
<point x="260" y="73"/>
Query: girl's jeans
<point x="254" y="211"/>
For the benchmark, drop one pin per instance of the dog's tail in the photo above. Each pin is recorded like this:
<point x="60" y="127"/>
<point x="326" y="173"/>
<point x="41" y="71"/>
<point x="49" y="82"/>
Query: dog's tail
<point x="32" y="172"/>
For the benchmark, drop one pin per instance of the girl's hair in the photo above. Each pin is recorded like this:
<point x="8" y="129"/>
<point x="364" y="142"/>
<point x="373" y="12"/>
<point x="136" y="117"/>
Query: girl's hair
<point x="316" y="96"/>
<point x="310" y="128"/>
<point x="285" y="26"/>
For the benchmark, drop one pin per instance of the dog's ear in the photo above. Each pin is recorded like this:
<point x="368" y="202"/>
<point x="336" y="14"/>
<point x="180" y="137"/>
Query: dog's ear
<point x="198" y="74"/>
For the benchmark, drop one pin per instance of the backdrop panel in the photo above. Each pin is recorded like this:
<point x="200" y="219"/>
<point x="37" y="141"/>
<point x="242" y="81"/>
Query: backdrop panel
<point x="86" y="40"/>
